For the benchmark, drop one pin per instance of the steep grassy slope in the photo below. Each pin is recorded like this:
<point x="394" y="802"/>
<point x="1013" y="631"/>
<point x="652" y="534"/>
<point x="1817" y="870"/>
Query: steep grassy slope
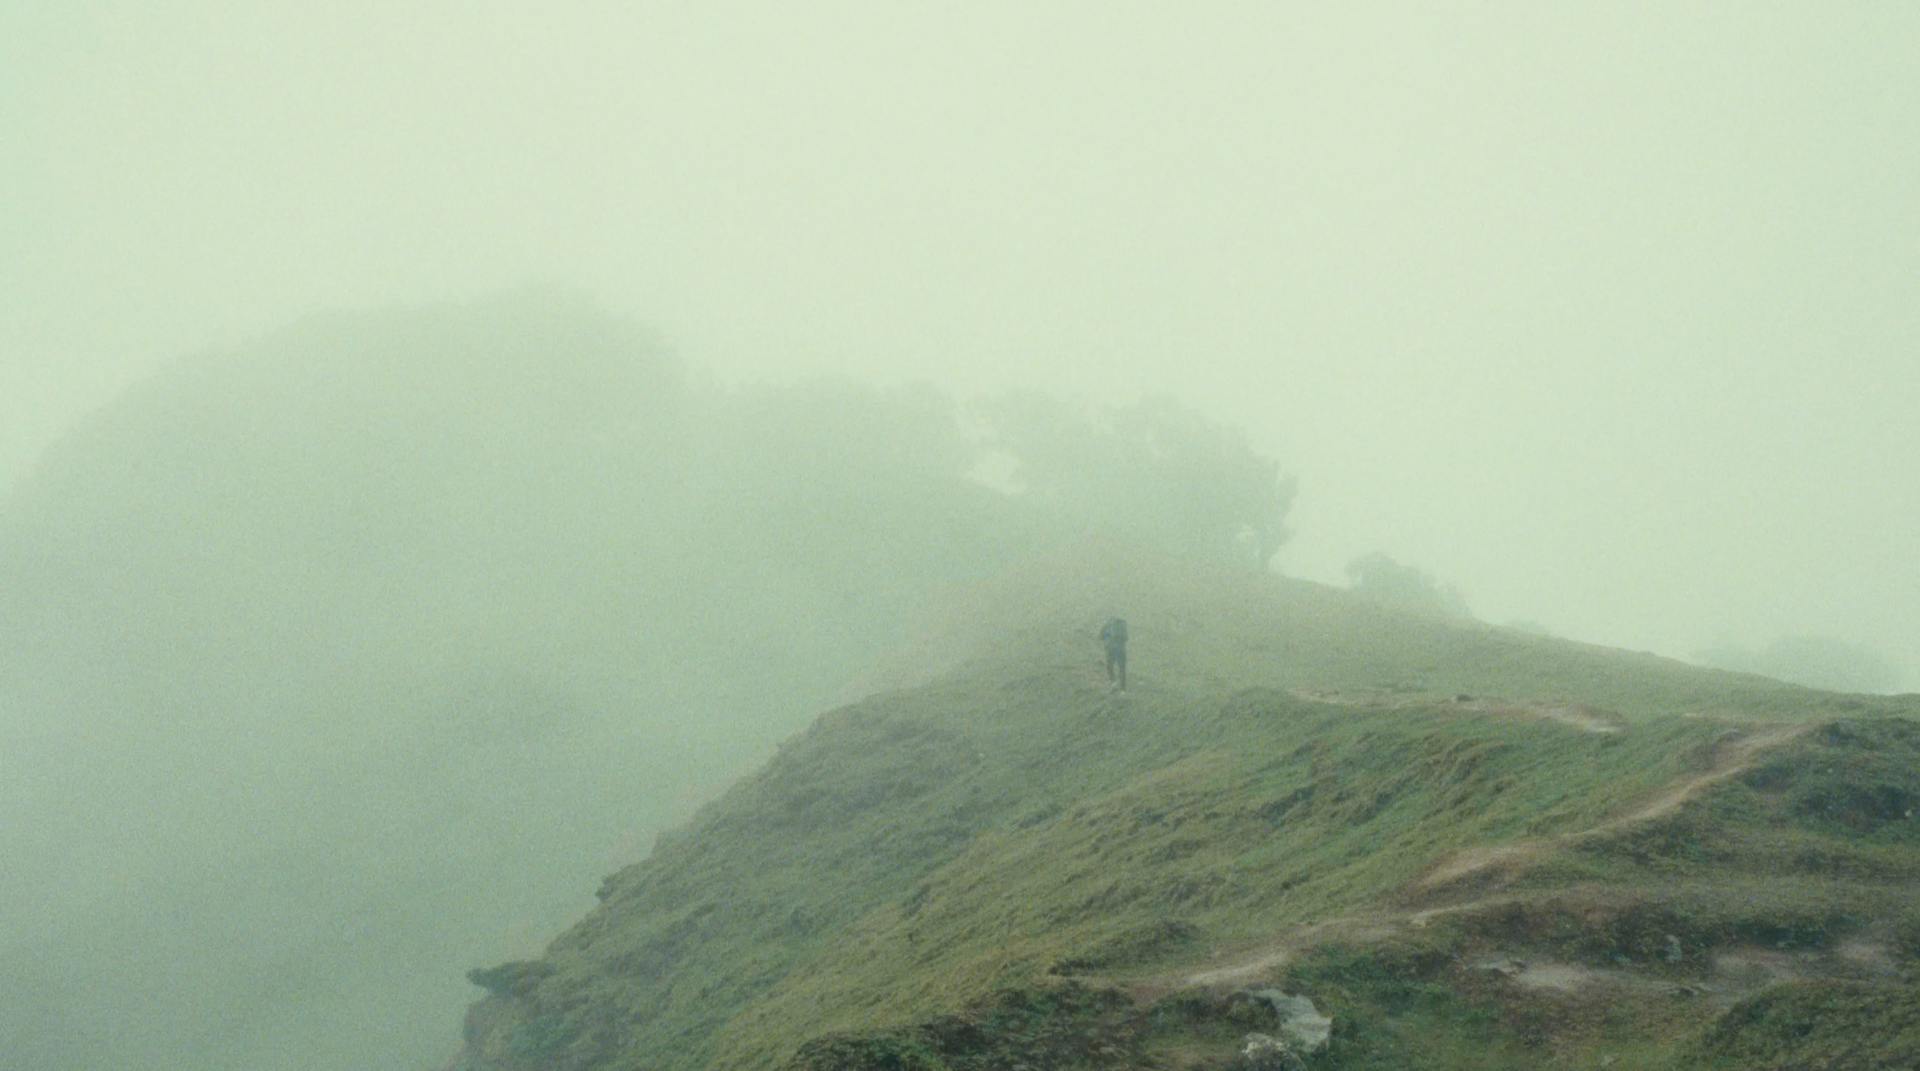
<point x="1007" y="864"/>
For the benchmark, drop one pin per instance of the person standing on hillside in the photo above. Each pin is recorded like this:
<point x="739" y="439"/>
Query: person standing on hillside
<point x="1113" y="636"/>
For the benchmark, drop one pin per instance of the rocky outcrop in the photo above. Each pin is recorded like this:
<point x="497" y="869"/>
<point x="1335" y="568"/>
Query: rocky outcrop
<point x="1263" y="1052"/>
<point x="1298" y="1020"/>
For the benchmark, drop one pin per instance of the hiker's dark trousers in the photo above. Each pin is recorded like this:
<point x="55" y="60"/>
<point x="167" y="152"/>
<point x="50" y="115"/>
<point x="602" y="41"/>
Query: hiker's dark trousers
<point x="1117" y="666"/>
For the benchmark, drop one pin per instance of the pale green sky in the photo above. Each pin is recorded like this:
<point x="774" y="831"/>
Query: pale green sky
<point x="1606" y="313"/>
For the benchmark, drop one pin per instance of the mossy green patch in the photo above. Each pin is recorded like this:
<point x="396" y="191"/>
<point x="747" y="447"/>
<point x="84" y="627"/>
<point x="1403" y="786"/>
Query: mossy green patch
<point x="1816" y="1026"/>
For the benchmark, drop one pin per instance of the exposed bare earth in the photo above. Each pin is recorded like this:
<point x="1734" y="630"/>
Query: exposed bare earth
<point x="1732" y="755"/>
<point x="1735" y="752"/>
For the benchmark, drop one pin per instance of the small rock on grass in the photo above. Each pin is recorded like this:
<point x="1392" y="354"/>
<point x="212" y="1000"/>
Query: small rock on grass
<point x="1263" y="1052"/>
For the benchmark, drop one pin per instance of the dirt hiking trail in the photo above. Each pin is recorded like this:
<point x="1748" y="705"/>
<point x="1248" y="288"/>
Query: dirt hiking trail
<point x="1733" y="753"/>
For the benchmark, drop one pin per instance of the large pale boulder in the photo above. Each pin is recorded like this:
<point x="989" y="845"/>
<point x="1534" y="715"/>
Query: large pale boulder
<point x="1306" y="1030"/>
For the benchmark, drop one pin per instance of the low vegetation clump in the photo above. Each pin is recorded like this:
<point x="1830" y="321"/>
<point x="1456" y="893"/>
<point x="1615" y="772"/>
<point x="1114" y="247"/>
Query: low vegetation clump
<point x="1061" y="1026"/>
<point x="1817" y="1026"/>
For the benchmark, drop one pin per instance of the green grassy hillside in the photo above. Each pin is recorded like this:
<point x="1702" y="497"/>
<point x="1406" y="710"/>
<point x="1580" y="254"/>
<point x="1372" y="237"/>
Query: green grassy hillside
<point x="1486" y="848"/>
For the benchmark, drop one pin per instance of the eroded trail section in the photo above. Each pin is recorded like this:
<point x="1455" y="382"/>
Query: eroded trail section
<point x="1734" y="753"/>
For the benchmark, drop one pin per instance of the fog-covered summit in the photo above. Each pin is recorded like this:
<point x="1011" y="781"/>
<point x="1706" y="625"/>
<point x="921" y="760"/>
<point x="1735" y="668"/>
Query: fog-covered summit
<point x="363" y="645"/>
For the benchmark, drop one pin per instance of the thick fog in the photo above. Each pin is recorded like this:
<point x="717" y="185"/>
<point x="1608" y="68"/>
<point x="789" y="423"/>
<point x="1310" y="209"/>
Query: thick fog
<point x="1596" y="320"/>
<point x="339" y="663"/>
<point x="1602" y="314"/>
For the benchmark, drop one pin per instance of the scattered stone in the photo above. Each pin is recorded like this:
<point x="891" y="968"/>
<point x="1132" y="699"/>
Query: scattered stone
<point x="1299" y="1020"/>
<point x="1263" y="1052"/>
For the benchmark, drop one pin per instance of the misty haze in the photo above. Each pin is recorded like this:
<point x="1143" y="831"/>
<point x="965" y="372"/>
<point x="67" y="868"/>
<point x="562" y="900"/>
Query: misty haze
<point x="849" y="537"/>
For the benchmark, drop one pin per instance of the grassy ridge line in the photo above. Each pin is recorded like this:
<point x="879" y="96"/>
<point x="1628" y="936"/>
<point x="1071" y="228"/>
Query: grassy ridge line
<point x="1221" y="630"/>
<point x="1220" y="825"/>
<point x="1795" y="867"/>
<point x="925" y="845"/>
